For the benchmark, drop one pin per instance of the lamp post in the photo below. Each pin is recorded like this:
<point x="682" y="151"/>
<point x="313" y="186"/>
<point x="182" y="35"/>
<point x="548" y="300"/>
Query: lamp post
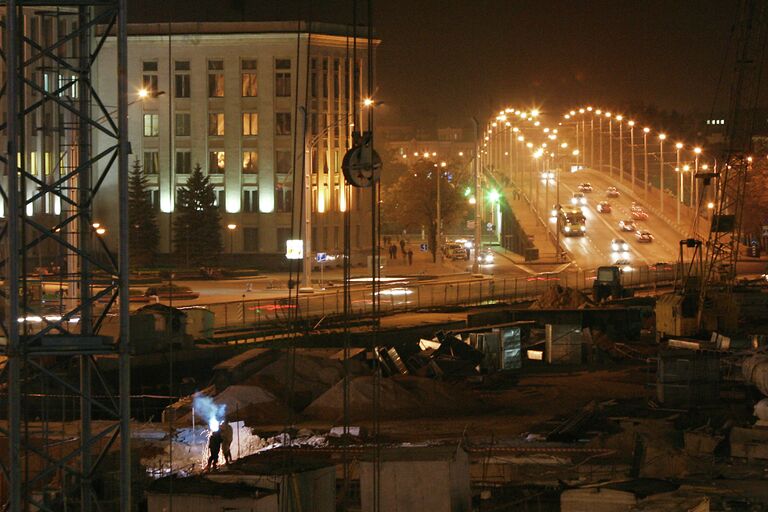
<point x="231" y="228"/>
<point x="621" y="147"/>
<point x="599" y="140"/>
<point x="695" y="184"/>
<point x="678" y="147"/>
<point x="632" y="152"/>
<point x="646" y="130"/>
<point x="662" y="136"/>
<point x="591" y="138"/>
<point x="478" y="233"/>
<point x="610" y="144"/>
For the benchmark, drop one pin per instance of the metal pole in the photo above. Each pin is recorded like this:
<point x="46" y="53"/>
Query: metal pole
<point x="645" y="163"/>
<point x="592" y="141"/>
<point x="632" y="153"/>
<point x="14" y="343"/>
<point x="557" y="221"/>
<point x="478" y="234"/>
<point x="438" y="238"/>
<point x="679" y="180"/>
<point x="600" y="142"/>
<point x="610" y="147"/>
<point x="621" y="151"/>
<point x="661" y="174"/>
<point x="124" y="357"/>
<point x="307" y="266"/>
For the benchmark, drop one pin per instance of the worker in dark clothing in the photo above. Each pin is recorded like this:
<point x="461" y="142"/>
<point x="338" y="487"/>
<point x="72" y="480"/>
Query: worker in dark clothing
<point x="226" y="441"/>
<point x="214" y="446"/>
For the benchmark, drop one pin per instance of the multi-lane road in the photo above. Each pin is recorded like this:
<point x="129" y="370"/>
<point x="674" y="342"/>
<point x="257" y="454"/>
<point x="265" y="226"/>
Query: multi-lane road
<point x="594" y="248"/>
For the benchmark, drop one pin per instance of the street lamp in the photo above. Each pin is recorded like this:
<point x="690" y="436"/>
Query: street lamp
<point x="610" y="143"/>
<point x="694" y="183"/>
<point x="619" y="118"/>
<point x="632" y="152"/>
<point x="646" y="130"/>
<point x="678" y="147"/>
<point x="231" y="228"/>
<point x="662" y="136"/>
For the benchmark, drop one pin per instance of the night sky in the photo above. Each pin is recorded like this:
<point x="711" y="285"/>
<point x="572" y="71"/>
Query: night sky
<point x="442" y="61"/>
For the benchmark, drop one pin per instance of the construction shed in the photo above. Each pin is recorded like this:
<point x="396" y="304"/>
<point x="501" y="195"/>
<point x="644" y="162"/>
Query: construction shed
<point x="433" y="479"/>
<point x="200" y="494"/>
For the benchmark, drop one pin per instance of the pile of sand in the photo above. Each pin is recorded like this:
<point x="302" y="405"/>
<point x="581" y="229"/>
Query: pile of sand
<point x="559" y="297"/>
<point x="312" y="376"/>
<point x="400" y="397"/>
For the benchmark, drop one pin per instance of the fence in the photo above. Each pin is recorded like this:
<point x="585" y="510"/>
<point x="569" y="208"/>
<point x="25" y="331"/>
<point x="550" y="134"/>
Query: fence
<point x="418" y="296"/>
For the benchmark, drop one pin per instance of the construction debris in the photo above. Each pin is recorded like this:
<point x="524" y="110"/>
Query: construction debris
<point x="562" y="297"/>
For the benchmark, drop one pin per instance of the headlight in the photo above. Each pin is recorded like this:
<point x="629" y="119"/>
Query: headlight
<point x="583" y="200"/>
<point x="583" y="228"/>
<point x="567" y="229"/>
<point x="625" y="247"/>
<point x="554" y="213"/>
<point x="614" y="247"/>
<point x="625" y="255"/>
<point x="574" y="200"/>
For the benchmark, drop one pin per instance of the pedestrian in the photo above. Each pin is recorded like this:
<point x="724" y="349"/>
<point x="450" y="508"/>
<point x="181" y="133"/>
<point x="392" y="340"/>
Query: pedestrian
<point x="214" y="446"/>
<point x="393" y="248"/>
<point x="226" y="440"/>
<point x="402" y="246"/>
<point x="249" y="287"/>
<point x="410" y="257"/>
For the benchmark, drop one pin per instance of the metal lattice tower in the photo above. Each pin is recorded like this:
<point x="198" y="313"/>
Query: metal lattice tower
<point x="65" y="416"/>
<point x="722" y="248"/>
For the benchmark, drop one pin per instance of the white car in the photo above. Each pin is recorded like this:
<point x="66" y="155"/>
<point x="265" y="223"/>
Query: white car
<point x="578" y="199"/>
<point x="486" y="257"/>
<point x="619" y="245"/>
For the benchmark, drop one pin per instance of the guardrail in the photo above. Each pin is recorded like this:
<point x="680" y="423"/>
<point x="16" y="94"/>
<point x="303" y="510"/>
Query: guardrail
<point x="405" y="297"/>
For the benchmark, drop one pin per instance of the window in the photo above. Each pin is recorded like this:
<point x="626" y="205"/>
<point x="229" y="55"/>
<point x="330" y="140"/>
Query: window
<point x="183" y="123"/>
<point x="248" y="79"/>
<point x="215" y="78"/>
<point x="251" y="239"/>
<point x="250" y="200"/>
<point x="181" y="85"/>
<point x="149" y="77"/>
<point x="250" y="123"/>
<point x="151" y="162"/>
<point x="313" y="124"/>
<point x="216" y="162"/>
<point x="282" y="161"/>
<point x="283" y="123"/>
<point x="220" y="200"/>
<point x="250" y="162"/>
<point x="151" y="122"/>
<point x="216" y="124"/>
<point x="313" y="78"/>
<point x="336" y="71"/>
<point x="153" y="195"/>
<point x="325" y="77"/>
<point x="283" y="194"/>
<point x="183" y="162"/>
<point x="282" y="77"/>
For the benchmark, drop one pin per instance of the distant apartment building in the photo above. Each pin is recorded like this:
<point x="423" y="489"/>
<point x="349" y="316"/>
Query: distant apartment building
<point x="230" y="97"/>
<point x="403" y="142"/>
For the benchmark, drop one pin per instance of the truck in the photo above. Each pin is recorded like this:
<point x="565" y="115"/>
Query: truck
<point x="572" y="222"/>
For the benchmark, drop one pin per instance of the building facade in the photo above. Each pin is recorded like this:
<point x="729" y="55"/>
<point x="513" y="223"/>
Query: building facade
<point x="251" y="103"/>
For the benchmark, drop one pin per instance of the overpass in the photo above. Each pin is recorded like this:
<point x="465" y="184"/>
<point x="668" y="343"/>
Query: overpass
<point x="544" y="159"/>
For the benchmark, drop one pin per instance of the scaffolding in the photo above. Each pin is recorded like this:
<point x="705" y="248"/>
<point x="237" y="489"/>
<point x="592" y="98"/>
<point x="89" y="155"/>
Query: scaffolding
<point x="64" y="417"/>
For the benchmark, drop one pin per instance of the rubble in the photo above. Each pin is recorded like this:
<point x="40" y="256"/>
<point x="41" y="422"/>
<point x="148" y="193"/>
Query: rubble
<point x="562" y="297"/>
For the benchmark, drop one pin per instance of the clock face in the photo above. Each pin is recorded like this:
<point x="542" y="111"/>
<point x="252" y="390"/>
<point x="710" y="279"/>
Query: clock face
<point x="362" y="165"/>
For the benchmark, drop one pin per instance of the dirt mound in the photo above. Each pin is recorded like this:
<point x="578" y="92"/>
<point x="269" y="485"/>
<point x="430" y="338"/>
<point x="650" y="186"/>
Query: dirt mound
<point x="400" y="397"/>
<point x="313" y="376"/>
<point x="560" y="297"/>
<point x="252" y="404"/>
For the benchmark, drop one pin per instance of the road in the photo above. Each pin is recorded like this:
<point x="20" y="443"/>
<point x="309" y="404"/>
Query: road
<point x="594" y="249"/>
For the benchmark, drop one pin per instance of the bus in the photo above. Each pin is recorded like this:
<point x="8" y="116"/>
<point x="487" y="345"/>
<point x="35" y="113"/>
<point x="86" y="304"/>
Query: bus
<point x="572" y="222"/>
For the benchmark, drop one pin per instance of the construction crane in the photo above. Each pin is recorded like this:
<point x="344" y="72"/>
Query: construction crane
<point x="706" y="298"/>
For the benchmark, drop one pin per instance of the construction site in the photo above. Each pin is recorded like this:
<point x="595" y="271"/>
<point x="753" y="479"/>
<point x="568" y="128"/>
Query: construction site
<point x="608" y="393"/>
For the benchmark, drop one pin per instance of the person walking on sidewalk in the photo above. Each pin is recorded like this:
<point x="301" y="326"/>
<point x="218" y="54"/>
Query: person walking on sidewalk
<point x="402" y="246"/>
<point x="410" y="257"/>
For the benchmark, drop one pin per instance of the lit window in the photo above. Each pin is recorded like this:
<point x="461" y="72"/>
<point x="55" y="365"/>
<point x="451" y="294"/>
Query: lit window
<point x="248" y="79"/>
<point x="216" y="162"/>
<point x="250" y="162"/>
<point x="250" y="123"/>
<point x="216" y="124"/>
<point x="151" y="125"/>
<point x="282" y="77"/>
<point x="216" y="79"/>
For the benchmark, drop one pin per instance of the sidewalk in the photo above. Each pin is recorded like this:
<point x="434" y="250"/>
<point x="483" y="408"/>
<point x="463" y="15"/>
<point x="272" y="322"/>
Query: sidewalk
<point x="533" y="227"/>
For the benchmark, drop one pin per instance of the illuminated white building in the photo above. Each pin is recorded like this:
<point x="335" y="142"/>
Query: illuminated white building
<point x="228" y="96"/>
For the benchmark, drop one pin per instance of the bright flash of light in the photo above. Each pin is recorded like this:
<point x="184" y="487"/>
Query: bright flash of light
<point x="213" y="424"/>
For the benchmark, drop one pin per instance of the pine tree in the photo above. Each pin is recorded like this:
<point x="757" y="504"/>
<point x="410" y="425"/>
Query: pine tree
<point x="196" y="224"/>
<point x="144" y="234"/>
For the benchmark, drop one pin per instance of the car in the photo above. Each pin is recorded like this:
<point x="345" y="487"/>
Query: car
<point x="619" y="245"/>
<point x="585" y="187"/>
<point x="172" y="292"/>
<point x="450" y="247"/>
<point x="662" y="266"/>
<point x="486" y="257"/>
<point x="612" y="192"/>
<point x="457" y="253"/>
<point x="578" y="199"/>
<point x="639" y="215"/>
<point x="624" y="264"/>
<point x="604" y="207"/>
<point x="627" y="225"/>
<point x="644" y="236"/>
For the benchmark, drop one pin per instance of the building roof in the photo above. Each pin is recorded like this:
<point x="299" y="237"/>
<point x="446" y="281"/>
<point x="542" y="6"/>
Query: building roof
<point x="331" y="17"/>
